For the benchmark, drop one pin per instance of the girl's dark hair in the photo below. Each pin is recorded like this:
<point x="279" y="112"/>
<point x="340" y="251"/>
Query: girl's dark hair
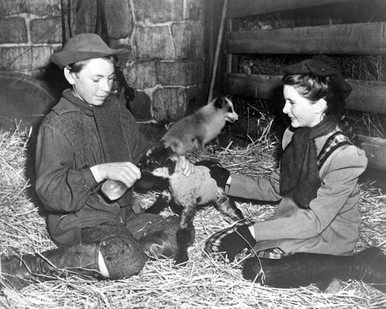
<point x="78" y="66"/>
<point x="314" y="88"/>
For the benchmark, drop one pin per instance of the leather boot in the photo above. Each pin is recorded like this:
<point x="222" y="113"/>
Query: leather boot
<point x="302" y="269"/>
<point x="369" y="266"/>
<point x="157" y="246"/>
<point x="18" y="272"/>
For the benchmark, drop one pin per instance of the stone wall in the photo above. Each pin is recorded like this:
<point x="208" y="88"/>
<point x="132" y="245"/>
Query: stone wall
<point x="29" y="32"/>
<point x="166" y="63"/>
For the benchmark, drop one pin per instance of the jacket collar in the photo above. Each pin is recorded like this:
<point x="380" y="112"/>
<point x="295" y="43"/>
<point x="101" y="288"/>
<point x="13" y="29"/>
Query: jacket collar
<point x="70" y="103"/>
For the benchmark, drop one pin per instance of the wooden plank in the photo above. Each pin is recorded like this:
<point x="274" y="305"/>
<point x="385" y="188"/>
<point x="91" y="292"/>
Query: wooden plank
<point x="366" y="96"/>
<point x="375" y="149"/>
<point x="362" y="38"/>
<point x="242" y="8"/>
<point x="256" y="86"/>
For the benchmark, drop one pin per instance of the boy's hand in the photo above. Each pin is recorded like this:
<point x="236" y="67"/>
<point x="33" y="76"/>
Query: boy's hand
<point x="125" y="172"/>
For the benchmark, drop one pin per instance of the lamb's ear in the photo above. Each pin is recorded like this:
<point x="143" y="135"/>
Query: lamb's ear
<point x="171" y="165"/>
<point x="172" y="145"/>
<point x="160" y="153"/>
<point x="149" y="152"/>
<point x="170" y="152"/>
<point x="168" y="148"/>
<point x="145" y="159"/>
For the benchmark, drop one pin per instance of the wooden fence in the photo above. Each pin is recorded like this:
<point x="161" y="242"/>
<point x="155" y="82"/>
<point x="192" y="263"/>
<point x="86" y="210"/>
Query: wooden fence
<point x="348" y="39"/>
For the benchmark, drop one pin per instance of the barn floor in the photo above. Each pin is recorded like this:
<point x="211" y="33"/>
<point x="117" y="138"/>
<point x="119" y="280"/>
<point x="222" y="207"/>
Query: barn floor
<point x="203" y="282"/>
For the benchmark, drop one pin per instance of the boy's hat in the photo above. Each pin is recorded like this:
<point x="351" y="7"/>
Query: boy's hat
<point x="83" y="47"/>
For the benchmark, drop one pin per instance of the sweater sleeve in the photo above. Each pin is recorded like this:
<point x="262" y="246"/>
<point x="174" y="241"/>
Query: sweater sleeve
<point x="262" y="189"/>
<point x="338" y="184"/>
<point x="60" y="186"/>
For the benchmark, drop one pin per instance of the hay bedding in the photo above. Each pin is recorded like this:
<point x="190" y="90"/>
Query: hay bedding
<point x="203" y="283"/>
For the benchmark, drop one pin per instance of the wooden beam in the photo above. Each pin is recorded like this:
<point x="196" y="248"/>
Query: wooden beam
<point x="255" y="86"/>
<point x="375" y="149"/>
<point x="366" y="96"/>
<point x="242" y="8"/>
<point x="362" y="38"/>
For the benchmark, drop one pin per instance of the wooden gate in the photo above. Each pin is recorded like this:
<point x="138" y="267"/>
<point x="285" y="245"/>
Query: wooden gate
<point x="349" y="39"/>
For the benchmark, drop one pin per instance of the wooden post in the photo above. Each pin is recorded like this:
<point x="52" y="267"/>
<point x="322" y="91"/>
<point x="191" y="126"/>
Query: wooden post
<point x="218" y="46"/>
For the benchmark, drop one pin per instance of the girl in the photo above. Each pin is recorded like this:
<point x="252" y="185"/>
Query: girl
<point x="314" y="230"/>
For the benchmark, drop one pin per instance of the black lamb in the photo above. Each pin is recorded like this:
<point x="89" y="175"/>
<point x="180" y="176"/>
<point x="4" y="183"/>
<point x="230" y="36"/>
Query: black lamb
<point x="186" y="193"/>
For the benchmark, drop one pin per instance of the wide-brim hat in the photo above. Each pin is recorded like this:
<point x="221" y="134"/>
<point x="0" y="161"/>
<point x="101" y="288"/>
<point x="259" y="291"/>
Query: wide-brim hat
<point x="83" y="47"/>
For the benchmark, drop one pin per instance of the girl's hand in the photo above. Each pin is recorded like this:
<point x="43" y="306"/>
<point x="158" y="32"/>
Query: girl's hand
<point x="185" y="165"/>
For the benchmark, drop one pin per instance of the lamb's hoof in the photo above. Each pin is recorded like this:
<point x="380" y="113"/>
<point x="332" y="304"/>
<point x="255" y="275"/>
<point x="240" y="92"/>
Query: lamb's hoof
<point x="332" y="287"/>
<point x="182" y="259"/>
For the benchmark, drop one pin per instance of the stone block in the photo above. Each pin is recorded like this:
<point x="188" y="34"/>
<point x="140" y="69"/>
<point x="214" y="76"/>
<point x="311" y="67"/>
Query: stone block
<point x="188" y="40"/>
<point x="46" y="30"/>
<point x="169" y="104"/>
<point x="15" y="58"/>
<point x="153" y="43"/>
<point x="40" y="56"/>
<point x="13" y="30"/>
<point x="141" y="75"/>
<point x="44" y="7"/>
<point x="181" y="73"/>
<point x="155" y="11"/>
<point x="24" y="58"/>
<point x="13" y="7"/>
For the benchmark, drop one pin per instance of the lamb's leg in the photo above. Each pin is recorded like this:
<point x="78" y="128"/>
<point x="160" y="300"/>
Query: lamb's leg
<point x="160" y="204"/>
<point x="186" y="233"/>
<point x="225" y="205"/>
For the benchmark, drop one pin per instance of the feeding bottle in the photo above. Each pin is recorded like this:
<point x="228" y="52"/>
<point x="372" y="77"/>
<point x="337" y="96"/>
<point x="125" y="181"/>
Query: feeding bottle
<point x="113" y="189"/>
